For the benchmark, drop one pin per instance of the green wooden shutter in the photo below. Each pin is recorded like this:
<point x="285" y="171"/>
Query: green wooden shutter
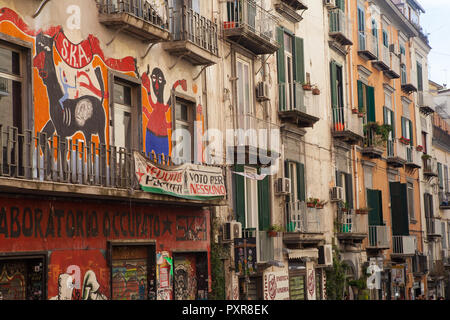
<point x="340" y="4"/>
<point x="376" y="210"/>
<point x="399" y="209"/>
<point x="281" y="70"/>
<point x="360" y="96"/>
<point x="403" y="127"/>
<point x="411" y="137"/>
<point x="370" y="92"/>
<point x="287" y="175"/>
<point x="301" y="187"/>
<point x="338" y="178"/>
<point x="441" y="180"/>
<point x="239" y="195"/>
<point x="299" y="62"/>
<point x="419" y="77"/>
<point x="385" y="115"/>
<point x="391" y="113"/>
<point x="263" y="204"/>
<point x="333" y="80"/>
<point x="349" y="190"/>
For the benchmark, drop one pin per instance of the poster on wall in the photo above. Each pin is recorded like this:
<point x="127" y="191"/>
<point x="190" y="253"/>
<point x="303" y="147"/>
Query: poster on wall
<point x="245" y="255"/>
<point x="276" y="285"/>
<point x="188" y="181"/>
<point x="397" y="275"/>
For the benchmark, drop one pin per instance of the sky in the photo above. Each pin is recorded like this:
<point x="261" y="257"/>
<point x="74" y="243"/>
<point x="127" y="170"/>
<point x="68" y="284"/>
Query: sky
<point x="436" y="22"/>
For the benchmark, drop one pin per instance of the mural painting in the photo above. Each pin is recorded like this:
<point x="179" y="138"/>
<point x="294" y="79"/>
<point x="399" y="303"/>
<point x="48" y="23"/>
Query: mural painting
<point x="185" y="275"/>
<point x="12" y="281"/>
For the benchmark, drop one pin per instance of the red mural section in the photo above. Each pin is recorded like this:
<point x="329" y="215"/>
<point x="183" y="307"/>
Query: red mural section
<point x="76" y="235"/>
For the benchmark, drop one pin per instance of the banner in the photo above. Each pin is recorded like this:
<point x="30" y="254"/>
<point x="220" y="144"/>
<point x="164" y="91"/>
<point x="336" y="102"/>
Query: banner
<point x="276" y="285"/>
<point x="188" y="181"/>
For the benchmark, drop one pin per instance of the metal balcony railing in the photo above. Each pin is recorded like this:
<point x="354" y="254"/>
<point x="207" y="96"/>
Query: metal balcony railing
<point x="344" y="120"/>
<point x="395" y="63"/>
<point x="434" y="227"/>
<point x="379" y="236"/>
<point x="352" y="223"/>
<point x="385" y="56"/>
<point x="38" y="157"/>
<point x="301" y="219"/>
<point x="340" y="26"/>
<point x="390" y="148"/>
<point x="297" y="99"/>
<point x="403" y="74"/>
<point x="404" y="245"/>
<point x="188" y="25"/>
<point x="142" y="9"/>
<point x="247" y="14"/>
<point x="368" y="43"/>
<point x="430" y="166"/>
<point x="372" y="139"/>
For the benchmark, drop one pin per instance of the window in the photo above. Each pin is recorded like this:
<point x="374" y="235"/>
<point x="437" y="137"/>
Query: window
<point x="419" y="77"/>
<point x="366" y="100"/>
<point x="184" y="122"/>
<point x="361" y="28"/>
<point x="251" y="203"/>
<point x="404" y="76"/>
<point x="337" y="95"/>
<point x="11" y="87"/>
<point x="291" y="70"/>
<point x="122" y="116"/>
<point x="407" y="130"/>
<point x="389" y="118"/>
<point x="296" y="172"/>
<point x="440" y="176"/>
<point x="132" y="261"/>
<point x="345" y="180"/>
<point x="411" y="201"/>
<point x="385" y="39"/>
<point x="244" y="85"/>
<point x="424" y="142"/>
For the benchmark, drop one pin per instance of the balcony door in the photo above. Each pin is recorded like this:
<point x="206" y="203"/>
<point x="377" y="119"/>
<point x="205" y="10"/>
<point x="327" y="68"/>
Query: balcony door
<point x="122" y="112"/>
<point x="244" y="85"/>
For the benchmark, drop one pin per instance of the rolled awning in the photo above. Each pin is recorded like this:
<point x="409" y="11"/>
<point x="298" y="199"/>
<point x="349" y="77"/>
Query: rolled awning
<point x="303" y="253"/>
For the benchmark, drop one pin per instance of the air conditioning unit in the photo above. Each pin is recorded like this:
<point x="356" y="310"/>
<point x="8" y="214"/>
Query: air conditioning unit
<point x="325" y="255"/>
<point x="283" y="186"/>
<point x="262" y="91"/>
<point x="232" y="230"/>
<point x="330" y="4"/>
<point x="394" y="48"/>
<point x="337" y="194"/>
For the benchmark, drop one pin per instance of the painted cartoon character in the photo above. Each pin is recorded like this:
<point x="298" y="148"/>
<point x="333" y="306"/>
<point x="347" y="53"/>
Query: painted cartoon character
<point x="157" y="135"/>
<point x="84" y="114"/>
<point x="66" y="87"/>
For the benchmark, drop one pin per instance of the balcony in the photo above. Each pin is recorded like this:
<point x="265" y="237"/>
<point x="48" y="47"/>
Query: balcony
<point x="394" y="70"/>
<point x="195" y="37"/>
<point x="269" y="248"/>
<point x="424" y="101"/>
<point x="138" y="18"/>
<point x="53" y="166"/>
<point x="436" y="269"/>
<point x="250" y="26"/>
<point x="352" y="226"/>
<point x="403" y="245"/>
<point x="429" y="167"/>
<point x="419" y="265"/>
<point x="303" y="225"/>
<point x="340" y="27"/>
<point x="255" y="141"/>
<point x="367" y="46"/>
<point x="379" y="237"/>
<point x="396" y="157"/>
<point x="347" y="126"/>
<point x="406" y="86"/>
<point x="444" y="203"/>
<point x="374" y="146"/>
<point x="434" y="227"/>
<point x="384" y="59"/>
<point x="413" y="160"/>
<point x="289" y="8"/>
<point x="300" y="112"/>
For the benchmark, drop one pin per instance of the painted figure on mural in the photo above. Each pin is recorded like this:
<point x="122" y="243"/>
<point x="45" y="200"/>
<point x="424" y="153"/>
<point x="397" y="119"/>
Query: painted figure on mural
<point x="67" y="288"/>
<point x="68" y="116"/>
<point x="66" y="86"/>
<point x="157" y="137"/>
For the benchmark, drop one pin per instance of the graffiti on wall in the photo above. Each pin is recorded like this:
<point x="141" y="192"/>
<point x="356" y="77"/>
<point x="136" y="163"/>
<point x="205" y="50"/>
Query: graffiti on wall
<point x="164" y="275"/>
<point x="185" y="277"/>
<point x="12" y="281"/>
<point x="129" y="280"/>
<point x="69" y="287"/>
<point x="159" y="123"/>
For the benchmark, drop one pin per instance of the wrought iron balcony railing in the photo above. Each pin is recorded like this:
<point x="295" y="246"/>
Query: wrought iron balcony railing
<point x="404" y="245"/>
<point x="301" y="219"/>
<point x="367" y="45"/>
<point x="379" y="237"/>
<point x="340" y="26"/>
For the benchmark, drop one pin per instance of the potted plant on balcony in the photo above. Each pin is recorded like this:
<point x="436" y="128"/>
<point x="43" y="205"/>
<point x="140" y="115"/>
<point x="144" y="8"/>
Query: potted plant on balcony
<point x="312" y="202"/>
<point x="419" y="148"/>
<point x="355" y="110"/>
<point x="426" y="156"/>
<point x="404" y="140"/>
<point x="273" y="230"/>
<point x="307" y="86"/>
<point x="315" y="90"/>
<point x="345" y="207"/>
<point x="363" y="210"/>
<point x="320" y="204"/>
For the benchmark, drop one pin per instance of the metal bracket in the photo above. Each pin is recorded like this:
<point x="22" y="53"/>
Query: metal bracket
<point x="115" y="35"/>
<point x="203" y="68"/>
<point x="262" y="65"/>
<point x="148" y="50"/>
<point x="176" y="62"/>
<point x="41" y="6"/>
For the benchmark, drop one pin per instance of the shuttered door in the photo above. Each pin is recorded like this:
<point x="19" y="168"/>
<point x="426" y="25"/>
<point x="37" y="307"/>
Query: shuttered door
<point x="360" y="96"/>
<point x="239" y="195"/>
<point x="370" y="96"/>
<point x="297" y="287"/>
<point x="263" y="204"/>
<point x="185" y="276"/>
<point x="399" y="209"/>
<point x="281" y="70"/>
<point x="349" y="190"/>
<point x="334" y="88"/>
<point x="129" y="272"/>
<point x="301" y="188"/>
<point x="374" y="202"/>
<point x="299" y="62"/>
<point x="13" y="280"/>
